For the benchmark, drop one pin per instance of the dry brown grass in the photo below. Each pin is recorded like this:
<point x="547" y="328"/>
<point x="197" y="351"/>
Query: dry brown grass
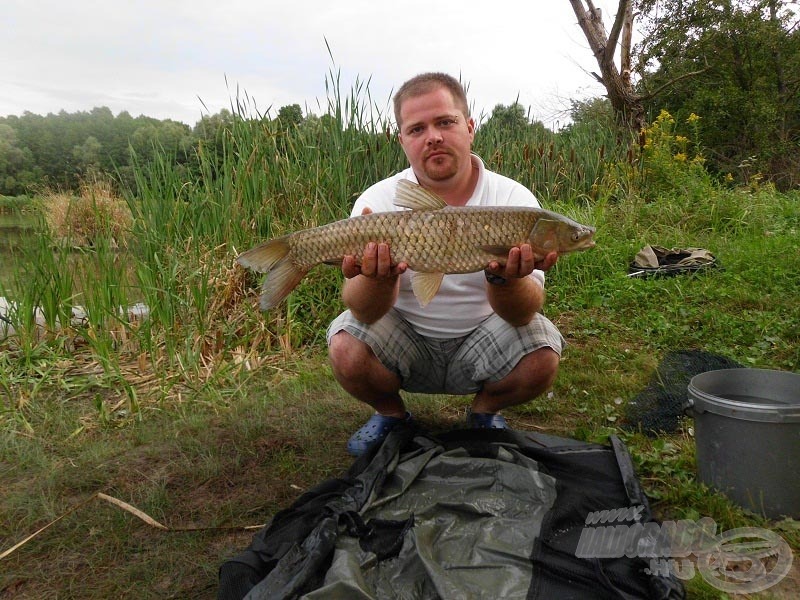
<point x="82" y="220"/>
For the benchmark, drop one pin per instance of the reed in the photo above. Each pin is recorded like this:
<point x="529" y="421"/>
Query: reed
<point x="264" y="178"/>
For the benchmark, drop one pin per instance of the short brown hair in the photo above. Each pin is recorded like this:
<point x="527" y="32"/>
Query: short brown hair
<point x="429" y="82"/>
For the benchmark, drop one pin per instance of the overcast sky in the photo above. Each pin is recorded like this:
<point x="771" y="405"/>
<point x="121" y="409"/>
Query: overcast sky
<point x="171" y="59"/>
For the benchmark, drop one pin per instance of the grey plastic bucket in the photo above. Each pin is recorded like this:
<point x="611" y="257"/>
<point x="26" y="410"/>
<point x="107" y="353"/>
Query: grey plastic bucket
<point x="747" y="431"/>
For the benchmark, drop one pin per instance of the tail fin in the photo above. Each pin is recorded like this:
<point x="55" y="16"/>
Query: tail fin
<point x="274" y="259"/>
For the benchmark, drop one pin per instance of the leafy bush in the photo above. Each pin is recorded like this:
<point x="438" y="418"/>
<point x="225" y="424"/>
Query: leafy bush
<point x="672" y="160"/>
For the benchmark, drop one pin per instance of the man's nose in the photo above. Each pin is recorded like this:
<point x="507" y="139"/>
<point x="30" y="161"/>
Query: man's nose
<point x="434" y="136"/>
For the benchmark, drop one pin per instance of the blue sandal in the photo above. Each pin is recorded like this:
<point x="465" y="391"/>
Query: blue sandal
<point x="486" y="421"/>
<point x="373" y="432"/>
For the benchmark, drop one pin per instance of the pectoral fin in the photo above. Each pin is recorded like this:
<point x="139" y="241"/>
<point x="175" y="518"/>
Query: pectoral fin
<point x="425" y="286"/>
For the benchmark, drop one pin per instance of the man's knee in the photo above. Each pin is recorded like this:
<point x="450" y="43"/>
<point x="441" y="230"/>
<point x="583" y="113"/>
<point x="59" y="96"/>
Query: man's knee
<point x="546" y="360"/>
<point x="538" y="369"/>
<point x="347" y="355"/>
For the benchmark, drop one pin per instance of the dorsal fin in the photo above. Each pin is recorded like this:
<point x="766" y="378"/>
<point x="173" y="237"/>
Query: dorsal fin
<point x="414" y="196"/>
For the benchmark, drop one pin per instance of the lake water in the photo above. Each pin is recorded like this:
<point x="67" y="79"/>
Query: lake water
<point x="16" y="228"/>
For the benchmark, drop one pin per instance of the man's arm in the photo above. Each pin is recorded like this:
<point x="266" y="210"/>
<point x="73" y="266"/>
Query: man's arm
<point x="520" y="297"/>
<point x="371" y="289"/>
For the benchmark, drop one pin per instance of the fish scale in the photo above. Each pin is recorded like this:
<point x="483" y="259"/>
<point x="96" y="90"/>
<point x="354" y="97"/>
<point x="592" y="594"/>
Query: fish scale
<point x="450" y="240"/>
<point x="431" y="238"/>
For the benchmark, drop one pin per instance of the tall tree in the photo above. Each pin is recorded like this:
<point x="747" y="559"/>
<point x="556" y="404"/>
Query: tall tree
<point x="290" y="116"/>
<point x="17" y="168"/>
<point x="508" y="117"/>
<point x="617" y="79"/>
<point x="87" y="156"/>
<point x="749" y="94"/>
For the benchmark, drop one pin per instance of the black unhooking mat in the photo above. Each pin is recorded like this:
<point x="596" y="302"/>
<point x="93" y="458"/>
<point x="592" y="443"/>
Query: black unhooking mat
<point x="466" y="514"/>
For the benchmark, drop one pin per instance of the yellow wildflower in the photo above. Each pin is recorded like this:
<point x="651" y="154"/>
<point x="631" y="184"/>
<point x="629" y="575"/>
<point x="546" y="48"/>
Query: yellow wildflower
<point x="664" y="116"/>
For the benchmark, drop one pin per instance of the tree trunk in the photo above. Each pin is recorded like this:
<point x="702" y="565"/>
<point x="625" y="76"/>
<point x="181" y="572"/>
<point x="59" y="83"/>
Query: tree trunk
<point x="780" y="79"/>
<point x="626" y="103"/>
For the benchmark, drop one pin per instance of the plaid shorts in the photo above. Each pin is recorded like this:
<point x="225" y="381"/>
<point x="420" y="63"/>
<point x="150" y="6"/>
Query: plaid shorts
<point x="450" y="366"/>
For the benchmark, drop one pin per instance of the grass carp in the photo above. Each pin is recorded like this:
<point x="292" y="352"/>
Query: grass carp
<point x="432" y="238"/>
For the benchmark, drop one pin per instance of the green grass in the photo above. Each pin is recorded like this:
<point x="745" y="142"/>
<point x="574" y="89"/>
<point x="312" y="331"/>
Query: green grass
<point x="9" y="203"/>
<point x="233" y="448"/>
<point x="210" y="413"/>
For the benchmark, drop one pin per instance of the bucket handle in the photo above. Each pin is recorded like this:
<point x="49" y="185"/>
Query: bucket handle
<point x="688" y="407"/>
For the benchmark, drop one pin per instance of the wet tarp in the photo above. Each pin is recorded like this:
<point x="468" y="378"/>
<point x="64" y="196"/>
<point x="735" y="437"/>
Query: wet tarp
<point x="466" y="514"/>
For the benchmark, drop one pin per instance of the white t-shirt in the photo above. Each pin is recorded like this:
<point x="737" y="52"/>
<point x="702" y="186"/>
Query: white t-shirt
<point x="461" y="304"/>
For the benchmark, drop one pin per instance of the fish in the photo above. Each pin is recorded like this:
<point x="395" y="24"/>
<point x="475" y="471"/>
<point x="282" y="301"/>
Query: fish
<point x="433" y="238"/>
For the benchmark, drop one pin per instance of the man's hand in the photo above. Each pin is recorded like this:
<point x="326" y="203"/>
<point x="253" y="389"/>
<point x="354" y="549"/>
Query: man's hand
<point x="370" y="297"/>
<point x="376" y="263"/>
<point x="520" y="298"/>
<point x="522" y="262"/>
